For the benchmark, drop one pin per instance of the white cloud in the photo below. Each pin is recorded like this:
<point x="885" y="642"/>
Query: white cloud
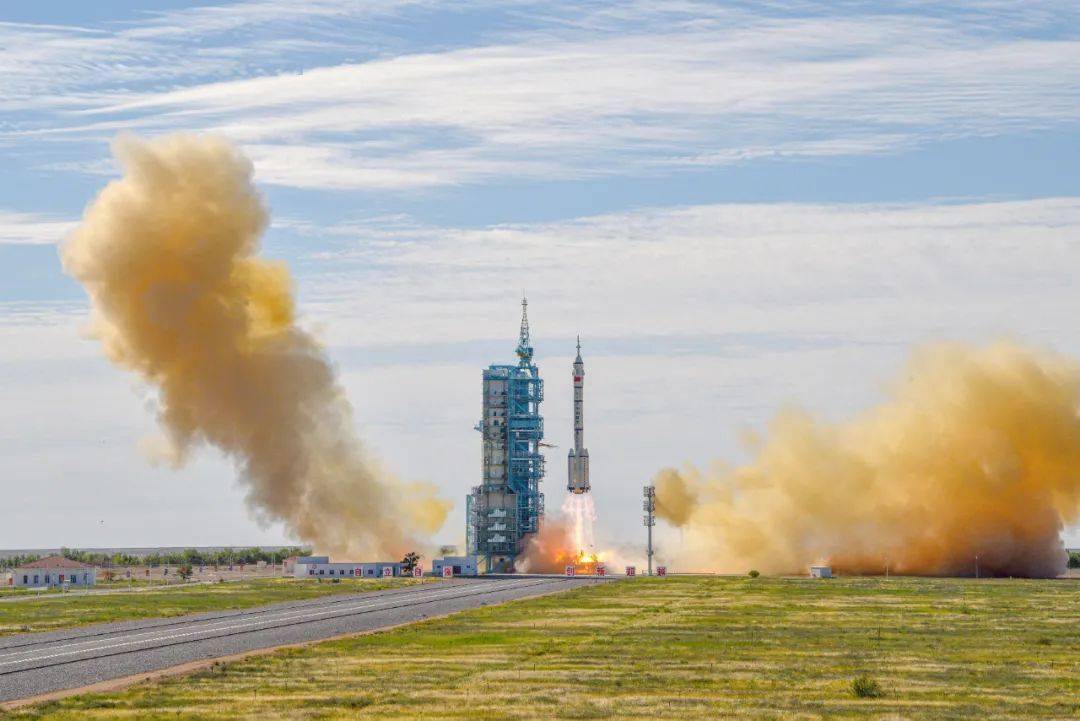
<point x="32" y="228"/>
<point x="43" y="66"/>
<point x="590" y="93"/>
<point x="802" y="268"/>
<point x="870" y="272"/>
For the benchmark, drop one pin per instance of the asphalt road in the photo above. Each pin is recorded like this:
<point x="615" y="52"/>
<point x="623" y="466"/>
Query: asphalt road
<point x="38" y="663"/>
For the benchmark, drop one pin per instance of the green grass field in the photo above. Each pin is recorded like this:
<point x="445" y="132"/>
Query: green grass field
<point x="99" y="585"/>
<point x="681" y="647"/>
<point x="55" y="610"/>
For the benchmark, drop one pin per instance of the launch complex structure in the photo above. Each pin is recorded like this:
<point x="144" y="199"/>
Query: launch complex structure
<point x="507" y="508"/>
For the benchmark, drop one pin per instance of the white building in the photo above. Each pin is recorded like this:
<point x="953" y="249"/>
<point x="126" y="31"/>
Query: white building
<point x="53" y="571"/>
<point x="320" y="567"/>
<point x="462" y="565"/>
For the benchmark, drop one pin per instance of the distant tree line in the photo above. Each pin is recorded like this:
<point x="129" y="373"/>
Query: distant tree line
<point x="226" y="557"/>
<point x="188" y="557"/>
<point x="14" y="561"/>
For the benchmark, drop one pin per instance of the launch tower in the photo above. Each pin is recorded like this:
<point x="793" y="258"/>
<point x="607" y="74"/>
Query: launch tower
<point x="507" y="506"/>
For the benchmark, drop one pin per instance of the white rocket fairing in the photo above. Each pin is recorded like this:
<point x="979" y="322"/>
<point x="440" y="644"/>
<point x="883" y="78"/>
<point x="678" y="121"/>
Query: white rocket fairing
<point x="577" y="462"/>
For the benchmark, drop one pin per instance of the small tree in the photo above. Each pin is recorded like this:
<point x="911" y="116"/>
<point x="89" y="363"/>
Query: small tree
<point x="412" y="558"/>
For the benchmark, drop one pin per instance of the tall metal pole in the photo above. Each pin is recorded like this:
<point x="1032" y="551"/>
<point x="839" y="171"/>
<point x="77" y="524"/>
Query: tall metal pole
<point x="649" y="507"/>
<point x="650" y="545"/>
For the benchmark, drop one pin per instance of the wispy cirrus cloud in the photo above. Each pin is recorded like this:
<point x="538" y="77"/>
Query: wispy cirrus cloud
<point x="681" y="271"/>
<point x="599" y="91"/>
<point x="874" y="272"/>
<point x="56" y="66"/>
<point x="32" y="228"/>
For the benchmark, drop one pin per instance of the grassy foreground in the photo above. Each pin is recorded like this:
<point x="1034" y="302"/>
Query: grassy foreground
<point x="55" y="611"/>
<point x="679" y="647"/>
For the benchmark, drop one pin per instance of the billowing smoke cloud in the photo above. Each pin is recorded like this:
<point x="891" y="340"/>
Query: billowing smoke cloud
<point x="549" y="550"/>
<point x="168" y="256"/>
<point x="976" y="453"/>
<point x="567" y="539"/>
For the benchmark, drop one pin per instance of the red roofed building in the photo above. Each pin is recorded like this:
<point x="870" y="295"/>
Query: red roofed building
<point x="52" y="571"/>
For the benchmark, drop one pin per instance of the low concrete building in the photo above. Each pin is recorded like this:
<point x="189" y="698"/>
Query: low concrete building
<point x="462" y="565"/>
<point x="321" y="567"/>
<point x="821" y="572"/>
<point x="301" y="563"/>
<point x="53" y="571"/>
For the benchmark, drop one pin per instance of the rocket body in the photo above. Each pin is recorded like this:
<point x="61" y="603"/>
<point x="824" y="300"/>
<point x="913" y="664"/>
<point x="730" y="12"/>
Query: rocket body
<point x="577" y="475"/>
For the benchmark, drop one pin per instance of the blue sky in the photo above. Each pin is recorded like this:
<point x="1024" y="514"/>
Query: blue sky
<point x="738" y="205"/>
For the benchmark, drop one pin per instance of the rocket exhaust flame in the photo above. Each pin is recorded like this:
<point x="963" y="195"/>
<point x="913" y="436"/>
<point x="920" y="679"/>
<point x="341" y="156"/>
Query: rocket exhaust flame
<point x="977" y="453"/>
<point x="168" y="256"/>
<point x="558" y="546"/>
<point x="580" y="514"/>
<point x="566" y="540"/>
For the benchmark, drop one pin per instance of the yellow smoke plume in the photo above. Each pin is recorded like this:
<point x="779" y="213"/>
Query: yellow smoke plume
<point x="976" y="453"/>
<point x="167" y="254"/>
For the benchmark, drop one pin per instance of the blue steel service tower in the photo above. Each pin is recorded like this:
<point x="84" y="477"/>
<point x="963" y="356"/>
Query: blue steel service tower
<point x="507" y="507"/>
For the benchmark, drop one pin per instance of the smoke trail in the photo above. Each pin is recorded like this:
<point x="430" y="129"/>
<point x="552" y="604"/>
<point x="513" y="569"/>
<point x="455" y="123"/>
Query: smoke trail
<point x="976" y="453"/>
<point x="168" y="256"/>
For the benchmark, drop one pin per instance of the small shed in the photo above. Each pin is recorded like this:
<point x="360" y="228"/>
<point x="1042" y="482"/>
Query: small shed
<point x="821" y="572"/>
<point x="461" y="565"/>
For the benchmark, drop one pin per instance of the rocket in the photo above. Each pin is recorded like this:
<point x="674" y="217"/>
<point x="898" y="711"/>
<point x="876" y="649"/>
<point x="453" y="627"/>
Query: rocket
<point x="577" y="462"/>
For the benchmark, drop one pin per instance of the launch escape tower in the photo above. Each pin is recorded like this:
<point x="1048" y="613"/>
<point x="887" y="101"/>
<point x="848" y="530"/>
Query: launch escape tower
<point x="507" y="506"/>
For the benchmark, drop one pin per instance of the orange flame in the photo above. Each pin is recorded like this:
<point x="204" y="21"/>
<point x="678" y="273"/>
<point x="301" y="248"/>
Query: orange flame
<point x="553" y="549"/>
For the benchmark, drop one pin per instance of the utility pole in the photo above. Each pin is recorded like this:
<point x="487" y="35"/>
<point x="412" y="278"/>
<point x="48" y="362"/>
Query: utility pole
<point x="976" y="565"/>
<point x="649" y="507"/>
